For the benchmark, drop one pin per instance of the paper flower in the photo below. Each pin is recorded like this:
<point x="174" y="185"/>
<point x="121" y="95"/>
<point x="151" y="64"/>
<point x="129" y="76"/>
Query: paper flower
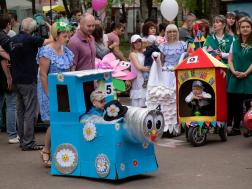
<point x="117" y="126"/>
<point x="145" y="145"/>
<point x="102" y="165"/>
<point x="62" y="26"/>
<point x="60" y="77"/>
<point x="112" y="110"/>
<point x="89" y="131"/>
<point x="122" y="167"/>
<point x="65" y="158"/>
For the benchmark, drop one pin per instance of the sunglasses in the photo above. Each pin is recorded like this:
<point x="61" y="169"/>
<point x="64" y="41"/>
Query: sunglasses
<point x="102" y="100"/>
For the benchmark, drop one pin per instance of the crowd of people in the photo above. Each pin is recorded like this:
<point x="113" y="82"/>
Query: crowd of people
<point x="73" y="45"/>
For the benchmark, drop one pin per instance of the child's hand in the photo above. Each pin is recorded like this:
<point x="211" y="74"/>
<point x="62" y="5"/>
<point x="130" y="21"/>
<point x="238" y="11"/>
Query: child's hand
<point x="218" y="53"/>
<point x="147" y="69"/>
<point x="197" y="97"/>
<point x="200" y="97"/>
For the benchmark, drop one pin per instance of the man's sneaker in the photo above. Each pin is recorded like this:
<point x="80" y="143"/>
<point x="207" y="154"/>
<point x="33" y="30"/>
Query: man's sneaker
<point x="14" y="140"/>
<point x="234" y="132"/>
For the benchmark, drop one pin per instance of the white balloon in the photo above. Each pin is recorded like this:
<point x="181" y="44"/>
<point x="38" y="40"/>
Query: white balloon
<point x="169" y="9"/>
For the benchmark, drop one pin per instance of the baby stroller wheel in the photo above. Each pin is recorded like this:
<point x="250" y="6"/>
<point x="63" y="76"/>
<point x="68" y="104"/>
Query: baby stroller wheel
<point x="196" y="136"/>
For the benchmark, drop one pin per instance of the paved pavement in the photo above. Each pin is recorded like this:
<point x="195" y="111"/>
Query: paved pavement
<point x="216" y="165"/>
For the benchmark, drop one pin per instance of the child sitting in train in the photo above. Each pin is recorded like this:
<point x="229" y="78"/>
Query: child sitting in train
<point x="97" y="98"/>
<point x="198" y="99"/>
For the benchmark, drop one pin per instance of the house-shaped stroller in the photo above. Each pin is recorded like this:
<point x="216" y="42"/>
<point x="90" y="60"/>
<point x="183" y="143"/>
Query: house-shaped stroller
<point x="201" y="66"/>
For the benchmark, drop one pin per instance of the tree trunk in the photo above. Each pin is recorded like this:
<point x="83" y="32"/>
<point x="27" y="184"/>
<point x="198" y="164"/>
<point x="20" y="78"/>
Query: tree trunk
<point x="199" y="9"/>
<point x="124" y="15"/>
<point x="144" y="9"/>
<point x="149" y="6"/>
<point x="3" y="6"/>
<point x="66" y="8"/>
<point x="33" y="7"/>
<point x="75" y="4"/>
<point x="214" y="7"/>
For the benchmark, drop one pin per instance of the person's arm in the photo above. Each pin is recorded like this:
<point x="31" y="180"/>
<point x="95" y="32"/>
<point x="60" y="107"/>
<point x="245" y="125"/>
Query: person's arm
<point x="247" y="72"/>
<point x="113" y="45"/>
<point x="189" y="97"/>
<point x="231" y="66"/>
<point x="5" y="67"/>
<point x="224" y="55"/>
<point x="119" y="54"/>
<point x="47" y="41"/>
<point x="44" y="65"/>
<point x="4" y="54"/>
<point x="74" y="48"/>
<point x="162" y="56"/>
<point x="138" y="66"/>
<point x="206" y="95"/>
<point x="5" y="43"/>
<point x="73" y="68"/>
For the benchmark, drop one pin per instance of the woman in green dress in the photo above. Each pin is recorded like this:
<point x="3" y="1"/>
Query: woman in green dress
<point x="239" y="86"/>
<point x="218" y="43"/>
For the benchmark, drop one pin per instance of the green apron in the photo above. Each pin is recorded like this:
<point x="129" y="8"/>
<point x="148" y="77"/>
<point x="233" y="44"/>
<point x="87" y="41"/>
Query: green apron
<point x="242" y="59"/>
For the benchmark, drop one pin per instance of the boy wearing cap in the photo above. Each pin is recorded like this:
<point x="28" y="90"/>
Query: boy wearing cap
<point x="198" y="98"/>
<point x="97" y="98"/>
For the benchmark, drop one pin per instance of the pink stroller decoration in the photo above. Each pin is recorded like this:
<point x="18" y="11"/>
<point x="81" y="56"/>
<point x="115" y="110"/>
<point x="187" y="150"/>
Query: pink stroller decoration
<point x="120" y="68"/>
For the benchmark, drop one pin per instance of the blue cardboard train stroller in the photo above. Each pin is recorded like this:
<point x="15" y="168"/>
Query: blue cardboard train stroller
<point x="93" y="147"/>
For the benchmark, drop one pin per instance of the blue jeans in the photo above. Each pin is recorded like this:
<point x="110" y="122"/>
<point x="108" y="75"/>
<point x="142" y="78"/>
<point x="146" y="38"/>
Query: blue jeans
<point x="10" y="113"/>
<point x="146" y="75"/>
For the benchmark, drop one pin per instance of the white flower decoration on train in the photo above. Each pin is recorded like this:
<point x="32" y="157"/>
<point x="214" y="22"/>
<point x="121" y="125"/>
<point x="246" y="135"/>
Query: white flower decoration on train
<point x="65" y="158"/>
<point x="89" y="131"/>
<point x="112" y="110"/>
<point x="60" y="77"/>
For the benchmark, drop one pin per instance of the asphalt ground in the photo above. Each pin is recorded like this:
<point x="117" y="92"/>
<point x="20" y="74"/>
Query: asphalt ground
<point x="219" y="165"/>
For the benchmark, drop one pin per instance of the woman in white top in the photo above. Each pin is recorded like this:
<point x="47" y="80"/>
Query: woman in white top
<point x="137" y="93"/>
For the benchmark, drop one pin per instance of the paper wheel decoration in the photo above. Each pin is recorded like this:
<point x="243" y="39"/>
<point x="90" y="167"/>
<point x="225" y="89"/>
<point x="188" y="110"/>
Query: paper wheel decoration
<point x="102" y="165"/>
<point x="65" y="158"/>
